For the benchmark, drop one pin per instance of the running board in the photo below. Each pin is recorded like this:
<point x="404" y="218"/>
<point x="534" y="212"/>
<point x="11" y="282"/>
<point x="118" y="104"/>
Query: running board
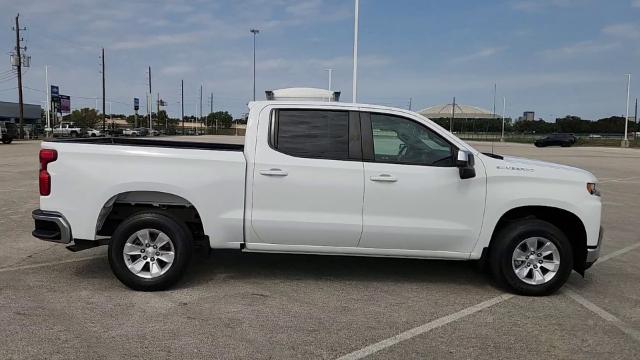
<point x="79" y="245"/>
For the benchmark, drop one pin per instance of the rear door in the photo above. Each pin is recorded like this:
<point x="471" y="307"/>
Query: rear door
<point x="414" y="197"/>
<point x="308" y="181"/>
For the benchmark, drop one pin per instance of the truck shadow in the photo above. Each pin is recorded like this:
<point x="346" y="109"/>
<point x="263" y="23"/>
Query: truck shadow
<point x="233" y="265"/>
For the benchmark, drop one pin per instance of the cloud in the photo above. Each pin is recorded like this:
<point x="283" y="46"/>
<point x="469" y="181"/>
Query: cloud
<point x="480" y="54"/>
<point x="176" y="70"/>
<point x="579" y="49"/>
<point x="304" y="8"/>
<point x="156" y="40"/>
<point x="635" y="3"/>
<point x="625" y="31"/>
<point x="538" y="5"/>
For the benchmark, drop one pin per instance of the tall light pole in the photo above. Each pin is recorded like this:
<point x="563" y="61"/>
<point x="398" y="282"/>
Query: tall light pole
<point x="625" y="141"/>
<point x="330" y="70"/>
<point x="355" y="53"/>
<point x="254" y="32"/>
<point x="504" y="110"/>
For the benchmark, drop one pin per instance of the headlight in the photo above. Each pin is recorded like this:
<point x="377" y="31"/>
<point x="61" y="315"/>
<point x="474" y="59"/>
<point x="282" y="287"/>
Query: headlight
<point x="591" y="188"/>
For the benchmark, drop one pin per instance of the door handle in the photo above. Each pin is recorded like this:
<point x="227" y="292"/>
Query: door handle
<point x="384" y="178"/>
<point x="273" y="172"/>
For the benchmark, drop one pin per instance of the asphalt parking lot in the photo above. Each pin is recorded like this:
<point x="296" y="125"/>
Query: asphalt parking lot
<point x="55" y="304"/>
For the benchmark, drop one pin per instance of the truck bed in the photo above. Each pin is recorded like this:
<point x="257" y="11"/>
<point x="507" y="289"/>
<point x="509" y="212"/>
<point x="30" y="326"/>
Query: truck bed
<point x="150" y="142"/>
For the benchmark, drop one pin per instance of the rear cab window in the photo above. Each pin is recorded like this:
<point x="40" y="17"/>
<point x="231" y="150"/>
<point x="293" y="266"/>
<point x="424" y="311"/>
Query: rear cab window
<point x="319" y="134"/>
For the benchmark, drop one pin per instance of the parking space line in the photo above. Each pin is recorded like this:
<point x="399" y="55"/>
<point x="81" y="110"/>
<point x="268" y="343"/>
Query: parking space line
<point x="635" y="334"/>
<point x="371" y="349"/>
<point x="34" y="266"/>
<point x="617" y="253"/>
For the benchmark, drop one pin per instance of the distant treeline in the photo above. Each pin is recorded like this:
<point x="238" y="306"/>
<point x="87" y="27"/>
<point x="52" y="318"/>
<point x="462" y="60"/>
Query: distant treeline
<point x="567" y="124"/>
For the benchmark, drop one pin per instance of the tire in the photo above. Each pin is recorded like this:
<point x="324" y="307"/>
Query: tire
<point x="521" y="232"/>
<point x="154" y="223"/>
<point x="7" y="140"/>
<point x="73" y="134"/>
<point x="93" y="135"/>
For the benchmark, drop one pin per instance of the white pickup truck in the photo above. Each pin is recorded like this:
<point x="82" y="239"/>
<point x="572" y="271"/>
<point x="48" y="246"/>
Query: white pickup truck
<point x="67" y="129"/>
<point x="320" y="178"/>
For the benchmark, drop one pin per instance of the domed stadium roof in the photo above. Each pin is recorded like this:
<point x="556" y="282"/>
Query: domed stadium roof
<point x="462" y="112"/>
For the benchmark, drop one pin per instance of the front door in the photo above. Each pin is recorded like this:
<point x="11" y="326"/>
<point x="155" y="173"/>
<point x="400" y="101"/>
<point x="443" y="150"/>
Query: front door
<point x="414" y="197"/>
<point x="308" y="182"/>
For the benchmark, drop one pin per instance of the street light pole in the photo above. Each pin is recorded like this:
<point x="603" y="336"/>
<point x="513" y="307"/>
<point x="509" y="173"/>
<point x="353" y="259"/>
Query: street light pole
<point x="355" y="52"/>
<point x="625" y="141"/>
<point x="330" y="73"/>
<point x="254" y="32"/>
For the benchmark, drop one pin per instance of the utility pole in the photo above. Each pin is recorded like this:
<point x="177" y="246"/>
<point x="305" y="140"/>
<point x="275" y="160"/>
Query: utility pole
<point x="182" y="102"/>
<point x="495" y="89"/>
<point x="158" y="111"/>
<point x="410" y="100"/>
<point x="254" y="32"/>
<point x="625" y="141"/>
<point x="104" y="105"/>
<point x="214" y="118"/>
<point x="150" y="101"/>
<point x="47" y="96"/>
<point x="504" y="110"/>
<point x="18" y="65"/>
<point x="453" y="115"/>
<point x="635" y="119"/>
<point x="201" y="104"/>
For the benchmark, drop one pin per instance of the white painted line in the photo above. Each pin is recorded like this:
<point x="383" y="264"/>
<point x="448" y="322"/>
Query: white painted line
<point x="617" y="253"/>
<point x="620" y="179"/>
<point x="635" y="334"/>
<point x="34" y="266"/>
<point x="371" y="349"/>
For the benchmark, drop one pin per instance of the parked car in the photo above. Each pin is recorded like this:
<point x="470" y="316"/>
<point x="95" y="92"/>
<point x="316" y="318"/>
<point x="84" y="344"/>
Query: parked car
<point x="595" y="136"/>
<point x="130" y="132"/>
<point x="8" y="132"/>
<point x="564" y="140"/>
<point x="66" y="129"/>
<point x="142" y="131"/>
<point x="320" y="178"/>
<point x="114" y="132"/>
<point x="93" y="132"/>
<point x="153" y="132"/>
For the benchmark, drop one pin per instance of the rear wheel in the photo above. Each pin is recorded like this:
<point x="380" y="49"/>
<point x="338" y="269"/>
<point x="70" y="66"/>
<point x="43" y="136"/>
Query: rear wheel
<point x="7" y="140"/>
<point x="150" y="251"/>
<point x="531" y="257"/>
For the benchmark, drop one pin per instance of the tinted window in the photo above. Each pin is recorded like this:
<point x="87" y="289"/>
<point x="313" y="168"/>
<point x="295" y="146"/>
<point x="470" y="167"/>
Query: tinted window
<point x="313" y="133"/>
<point x="400" y="140"/>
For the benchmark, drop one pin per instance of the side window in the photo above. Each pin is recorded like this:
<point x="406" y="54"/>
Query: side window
<point x="403" y="141"/>
<point x="312" y="133"/>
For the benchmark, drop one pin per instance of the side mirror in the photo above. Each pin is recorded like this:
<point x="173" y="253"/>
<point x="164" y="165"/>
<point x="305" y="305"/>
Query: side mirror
<point x="465" y="163"/>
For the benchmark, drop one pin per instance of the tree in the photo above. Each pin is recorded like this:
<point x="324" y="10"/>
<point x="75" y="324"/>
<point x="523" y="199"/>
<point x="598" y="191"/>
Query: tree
<point x="84" y="118"/>
<point x="223" y="118"/>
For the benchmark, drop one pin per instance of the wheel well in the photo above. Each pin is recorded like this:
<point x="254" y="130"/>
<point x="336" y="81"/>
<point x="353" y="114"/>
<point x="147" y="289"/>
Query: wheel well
<point x="123" y="205"/>
<point x="564" y="220"/>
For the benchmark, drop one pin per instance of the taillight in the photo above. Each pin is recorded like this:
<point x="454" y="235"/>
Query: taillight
<point x="44" y="179"/>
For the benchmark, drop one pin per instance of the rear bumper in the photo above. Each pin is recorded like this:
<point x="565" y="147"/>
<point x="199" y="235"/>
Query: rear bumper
<point x="593" y="252"/>
<point x="51" y="226"/>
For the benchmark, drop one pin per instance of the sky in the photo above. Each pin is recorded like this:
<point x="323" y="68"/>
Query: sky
<point x="554" y="57"/>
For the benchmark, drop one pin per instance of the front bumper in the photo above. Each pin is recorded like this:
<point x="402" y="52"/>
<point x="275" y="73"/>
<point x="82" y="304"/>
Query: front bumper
<point x="593" y="252"/>
<point x="51" y="226"/>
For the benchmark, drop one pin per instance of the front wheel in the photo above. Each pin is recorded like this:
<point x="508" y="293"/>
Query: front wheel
<point x="531" y="257"/>
<point x="150" y="251"/>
